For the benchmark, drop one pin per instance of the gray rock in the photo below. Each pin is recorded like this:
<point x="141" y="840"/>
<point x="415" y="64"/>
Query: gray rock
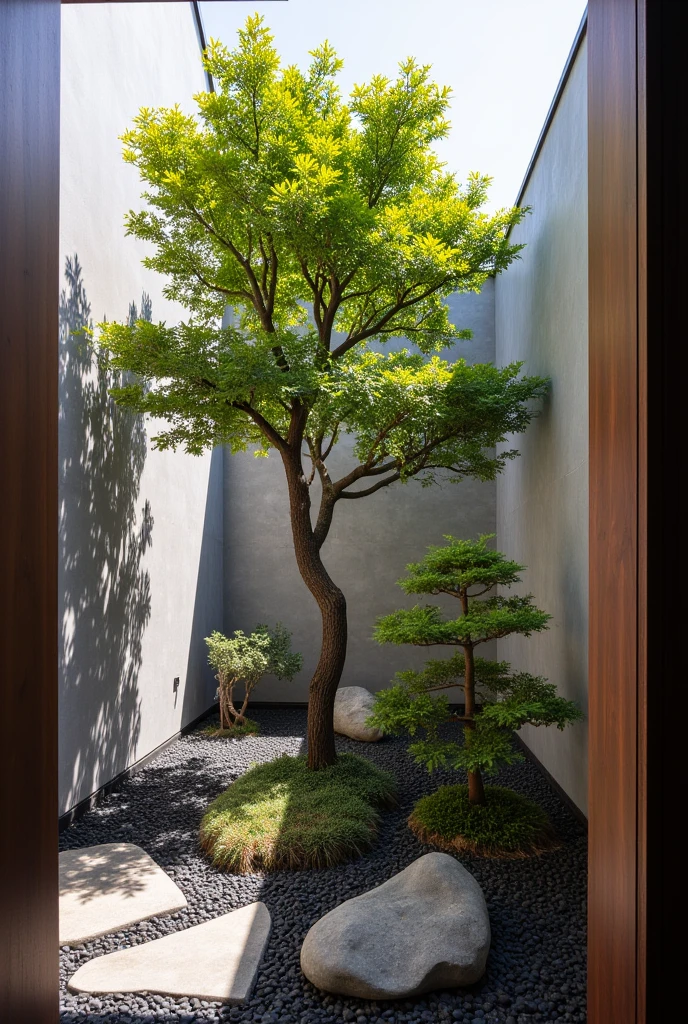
<point x="352" y="705"/>
<point x="426" y="928"/>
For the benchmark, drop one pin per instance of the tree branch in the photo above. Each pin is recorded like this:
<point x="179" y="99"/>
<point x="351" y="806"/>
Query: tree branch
<point x="273" y="436"/>
<point x="369" y="332"/>
<point x="370" y="490"/>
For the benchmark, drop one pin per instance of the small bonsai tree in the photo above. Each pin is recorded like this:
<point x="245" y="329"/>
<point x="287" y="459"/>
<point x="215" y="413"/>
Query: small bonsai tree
<point x="246" y="659"/>
<point x="466" y="570"/>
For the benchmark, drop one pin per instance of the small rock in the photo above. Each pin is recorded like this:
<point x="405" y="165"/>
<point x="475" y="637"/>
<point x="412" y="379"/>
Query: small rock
<point x="352" y="706"/>
<point x="426" y="928"/>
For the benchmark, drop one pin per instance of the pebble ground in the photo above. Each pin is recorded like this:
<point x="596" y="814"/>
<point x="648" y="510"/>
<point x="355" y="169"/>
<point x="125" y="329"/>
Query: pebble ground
<point x="536" y="970"/>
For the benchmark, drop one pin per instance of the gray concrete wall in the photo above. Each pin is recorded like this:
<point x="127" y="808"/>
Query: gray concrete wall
<point x="542" y="498"/>
<point x="140" y="532"/>
<point x="370" y="542"/>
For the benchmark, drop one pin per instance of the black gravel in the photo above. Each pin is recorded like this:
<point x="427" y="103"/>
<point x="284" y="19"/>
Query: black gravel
<point x="536" y="968"/>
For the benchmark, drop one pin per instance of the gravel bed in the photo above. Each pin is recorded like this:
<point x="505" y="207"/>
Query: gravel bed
<point x="536" y="968"/>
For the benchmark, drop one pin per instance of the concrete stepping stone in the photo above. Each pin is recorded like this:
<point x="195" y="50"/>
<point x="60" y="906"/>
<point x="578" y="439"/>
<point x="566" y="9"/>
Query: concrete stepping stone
<point x="109" y="887"/>
<point x="217" y="960"/>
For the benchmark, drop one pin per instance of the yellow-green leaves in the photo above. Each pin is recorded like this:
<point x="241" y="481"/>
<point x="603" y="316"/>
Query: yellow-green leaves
<point x="321" y="227"/>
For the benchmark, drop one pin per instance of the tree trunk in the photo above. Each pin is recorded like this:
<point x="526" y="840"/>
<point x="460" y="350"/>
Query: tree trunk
<point x="476" y="789"/>
<point x="332" y="605"/>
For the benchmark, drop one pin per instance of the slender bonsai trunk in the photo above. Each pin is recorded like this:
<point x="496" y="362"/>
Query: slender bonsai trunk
<point x="476" y="789"/>
<point x="332" y="605"/>
<point x="225" y="720"/>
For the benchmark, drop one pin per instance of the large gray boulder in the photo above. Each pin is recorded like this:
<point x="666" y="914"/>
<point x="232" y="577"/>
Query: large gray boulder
<point x="427" y="928"/>
<point x="352" y="705"/>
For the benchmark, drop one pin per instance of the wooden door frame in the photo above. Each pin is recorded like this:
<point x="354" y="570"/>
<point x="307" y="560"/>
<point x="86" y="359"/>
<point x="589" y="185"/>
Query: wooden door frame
<point x="637" y="79"/>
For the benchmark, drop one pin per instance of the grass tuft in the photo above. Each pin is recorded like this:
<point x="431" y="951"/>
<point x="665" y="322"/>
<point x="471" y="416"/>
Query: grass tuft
<point x="507" y="825"/>
<point x="283" y="816"/>
<point x="247" y="728"/>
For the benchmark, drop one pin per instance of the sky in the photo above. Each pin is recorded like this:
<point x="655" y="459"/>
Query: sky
<point x="502" y="58"/>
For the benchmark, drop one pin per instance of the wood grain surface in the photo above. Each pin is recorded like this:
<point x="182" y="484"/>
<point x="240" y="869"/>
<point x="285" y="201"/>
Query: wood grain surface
<point x="29" y="199"/>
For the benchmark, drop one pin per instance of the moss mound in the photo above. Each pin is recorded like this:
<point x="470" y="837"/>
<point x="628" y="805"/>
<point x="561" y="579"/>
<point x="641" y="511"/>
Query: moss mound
<point x="507" y="825"/>
<point x="247" y="728"/>
<point x="281" y="815"/>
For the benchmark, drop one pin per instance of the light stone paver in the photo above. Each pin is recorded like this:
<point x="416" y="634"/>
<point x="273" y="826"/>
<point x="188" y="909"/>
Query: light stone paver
<point x="217" y="960"/>
<point x="109" y="887"/>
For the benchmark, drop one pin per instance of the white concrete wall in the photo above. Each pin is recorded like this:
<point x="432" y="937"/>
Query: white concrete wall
<point x="370" y="542"/>
<point x="140" y="531"/>
<point x="541" y="317"/>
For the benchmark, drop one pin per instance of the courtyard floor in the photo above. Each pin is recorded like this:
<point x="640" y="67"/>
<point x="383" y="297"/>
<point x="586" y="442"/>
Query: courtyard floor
<point x="536" y="969"/>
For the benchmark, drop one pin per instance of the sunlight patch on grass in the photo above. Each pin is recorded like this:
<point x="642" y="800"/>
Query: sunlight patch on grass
<point x="282" y="815"/>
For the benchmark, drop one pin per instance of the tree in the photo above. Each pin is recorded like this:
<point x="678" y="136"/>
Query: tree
<point x="246" y="659"/>
<point x="324" y="227"/>
<point x="466" y="570"/>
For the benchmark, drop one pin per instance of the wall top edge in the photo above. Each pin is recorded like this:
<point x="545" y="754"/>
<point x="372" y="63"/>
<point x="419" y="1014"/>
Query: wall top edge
<point x="558" y="93"/>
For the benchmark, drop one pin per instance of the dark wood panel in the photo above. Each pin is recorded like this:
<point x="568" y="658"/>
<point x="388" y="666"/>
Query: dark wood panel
<point x="637" y="216"/>
<point x="663" y="271"/>
<point x="29" y="198"/>
<point x="613" y="354"/>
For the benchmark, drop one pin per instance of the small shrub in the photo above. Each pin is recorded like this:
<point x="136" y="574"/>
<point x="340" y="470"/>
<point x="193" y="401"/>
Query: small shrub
<point x="280" y="815"/>
<point x="246" y="659"/>
<point x="505" y="825"/>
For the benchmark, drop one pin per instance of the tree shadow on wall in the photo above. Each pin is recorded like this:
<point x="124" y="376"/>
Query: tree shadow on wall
<point x="104" y="532"/>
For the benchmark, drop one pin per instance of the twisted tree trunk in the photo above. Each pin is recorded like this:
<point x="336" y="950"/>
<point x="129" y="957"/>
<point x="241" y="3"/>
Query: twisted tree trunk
<point x="332" y="605"/>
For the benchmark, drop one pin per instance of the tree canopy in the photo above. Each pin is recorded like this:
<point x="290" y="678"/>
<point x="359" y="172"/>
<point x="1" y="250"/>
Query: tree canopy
<point x="325" y="226"/>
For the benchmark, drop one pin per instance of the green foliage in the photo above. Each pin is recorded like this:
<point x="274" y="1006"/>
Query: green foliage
<point x="530" y="700"/>
<point x="246" y="659"/>
<point x="491" y="619"/>
<point x="282" y="816"/>
<point x="488" y="750"/>
<point x="444" y="673"/>
<point x="466" y="570"/>
<point x="310" y="216"/>
<point x="459" y="564"/>
<point x="506" y="825"/>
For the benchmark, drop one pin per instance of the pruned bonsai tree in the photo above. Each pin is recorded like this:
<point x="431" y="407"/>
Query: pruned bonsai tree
<point x="244" y="660"/>
<point x="497" y="701"/>
<point x="323" y="226"/>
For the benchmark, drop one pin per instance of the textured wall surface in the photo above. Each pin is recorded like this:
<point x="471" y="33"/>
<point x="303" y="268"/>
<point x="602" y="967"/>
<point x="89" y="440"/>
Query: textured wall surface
<point x="542" y="498"/>
<point x="140" y="531"/>
<point x="370" y="542"/>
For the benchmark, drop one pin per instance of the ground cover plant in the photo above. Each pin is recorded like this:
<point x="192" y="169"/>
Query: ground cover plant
<point x="280" y="815"/>
<point x="249" y="727"/>
<point x="323" y="226"/>
<point x="505" y="825"/>
<point x="243" y="660"/>
<point x="497" y="700"/>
